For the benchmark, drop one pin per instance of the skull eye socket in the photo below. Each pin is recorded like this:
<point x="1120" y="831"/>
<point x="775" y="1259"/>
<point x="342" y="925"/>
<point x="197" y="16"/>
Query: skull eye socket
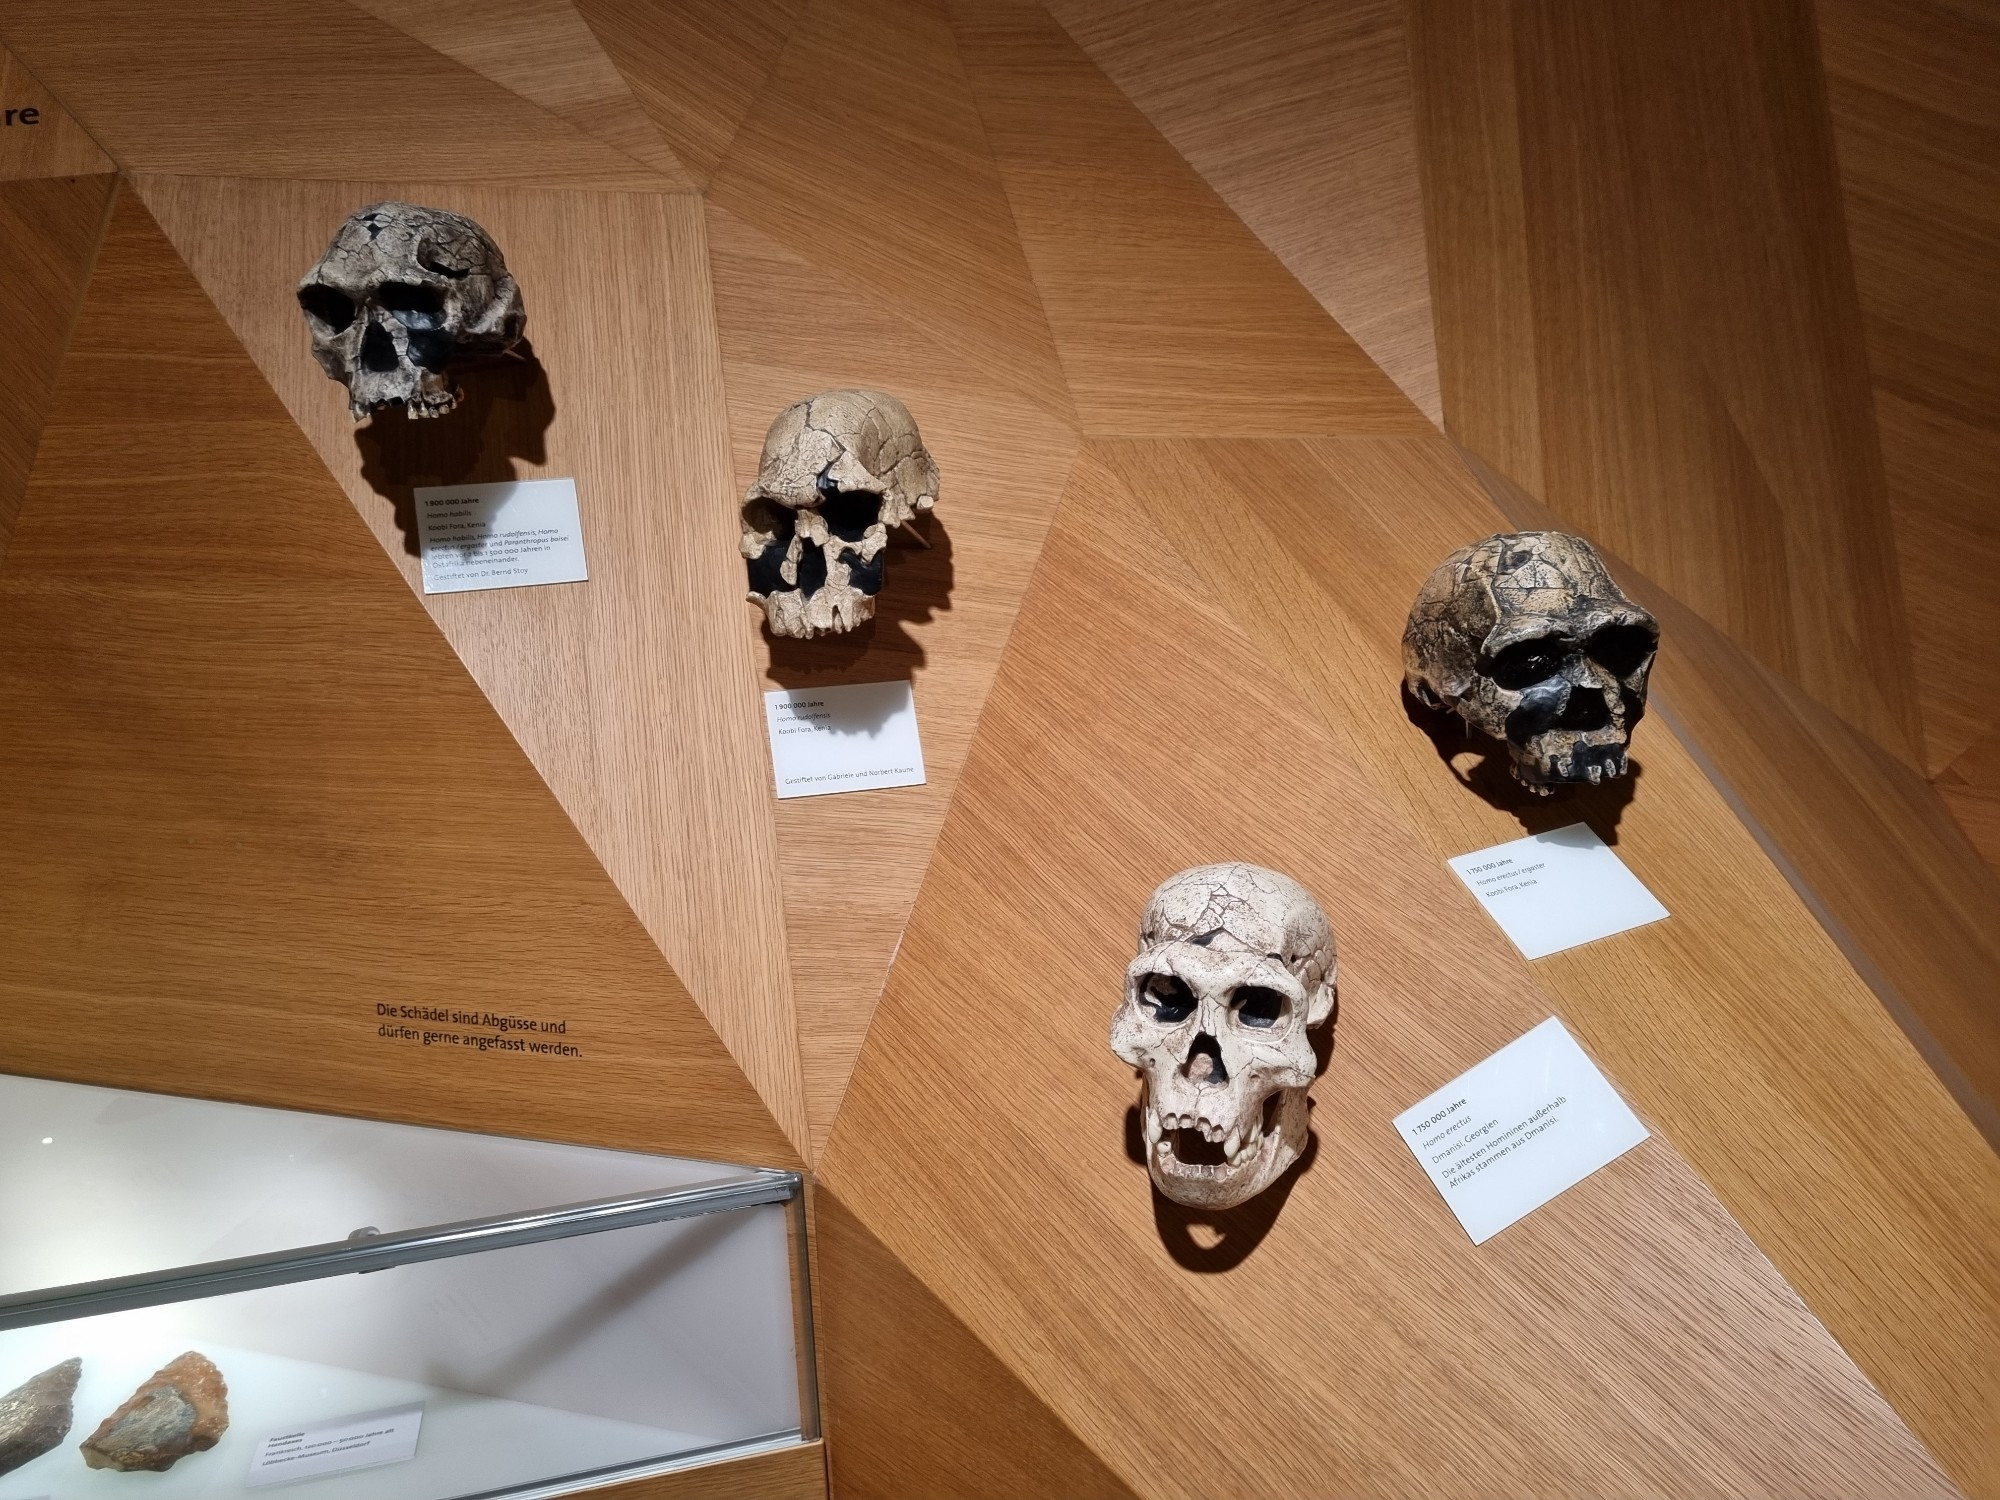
<point x="1167" y="998"/>
<point x="1622" y="649"/>
<point x="335" y="310"/>
<point x="1258" y="1006"/>
<point x="847" y="513"/>
<point x="1526" y="663"/>
<point x="414" y="306"/>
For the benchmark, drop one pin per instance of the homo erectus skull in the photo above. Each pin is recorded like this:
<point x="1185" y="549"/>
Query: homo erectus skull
<point x="401" y="294"/>
<point x="840" y="471"/>
<point x="1526" y="637"/>
<point x="1235" y="966"/>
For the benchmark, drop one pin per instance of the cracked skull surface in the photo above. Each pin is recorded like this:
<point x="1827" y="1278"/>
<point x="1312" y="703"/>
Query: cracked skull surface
<point x="402" y="294"/>
<point x="1526" y="637"/>
<point x="840" y="471"/>
<point x="1235" y="967"/>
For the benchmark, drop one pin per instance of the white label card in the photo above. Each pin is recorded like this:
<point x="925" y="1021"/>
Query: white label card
<point x="332" y="1447"/>
<point x="500" y="536"/>
<point x="1555" y="890"/>
<point x="1510" y="1133"/>
<point x="844" y="739"/>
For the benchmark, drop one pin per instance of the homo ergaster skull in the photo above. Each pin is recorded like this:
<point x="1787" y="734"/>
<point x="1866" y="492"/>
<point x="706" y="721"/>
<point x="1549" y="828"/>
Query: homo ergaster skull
<point x="840" y="471"/>
<point x="1235" y="967"/>
<point x="1526" y="637"/>
<point x="402" y="294"/>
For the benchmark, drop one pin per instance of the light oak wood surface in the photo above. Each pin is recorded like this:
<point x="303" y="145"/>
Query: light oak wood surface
<point x="1300" y="114"/>
<point x="1627" y="1338"/>
<point x="788" y="1474"/>
<point x="634" y="695"/>
<point x="251" y="794"/>
<point x="49" y="229"/>
<point x="898" y="194"/>
<point x="851" y="864"/>
<point x="1168" y="313"/>
<point x="54" y="145"/>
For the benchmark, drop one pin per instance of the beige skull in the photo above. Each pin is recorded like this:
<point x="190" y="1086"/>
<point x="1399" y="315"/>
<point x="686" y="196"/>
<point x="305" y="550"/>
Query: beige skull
<point x="1526" y="637"/>
<point x="1235" y="966"/>
<point x="840" y="472"/>
<point x="402" y="294"/>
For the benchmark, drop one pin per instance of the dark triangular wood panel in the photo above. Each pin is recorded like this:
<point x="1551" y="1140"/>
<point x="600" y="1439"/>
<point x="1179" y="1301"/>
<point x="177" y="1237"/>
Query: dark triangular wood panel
<point x="253" y="811"/>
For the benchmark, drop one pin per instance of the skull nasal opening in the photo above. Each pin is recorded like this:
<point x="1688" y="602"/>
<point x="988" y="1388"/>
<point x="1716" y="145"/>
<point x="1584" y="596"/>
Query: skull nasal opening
<point x="1204" y="1061"/>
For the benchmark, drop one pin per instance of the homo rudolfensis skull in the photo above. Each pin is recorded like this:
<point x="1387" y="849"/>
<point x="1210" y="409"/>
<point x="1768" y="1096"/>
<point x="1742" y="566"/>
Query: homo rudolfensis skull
<point x="1526" y="637"/>
<point x="840" y="471"/>
<point x="401" y="294"/>
<point x="1235" y="966"/>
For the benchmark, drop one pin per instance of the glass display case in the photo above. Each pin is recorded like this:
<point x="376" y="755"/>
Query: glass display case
<point x="202" y="1299"/>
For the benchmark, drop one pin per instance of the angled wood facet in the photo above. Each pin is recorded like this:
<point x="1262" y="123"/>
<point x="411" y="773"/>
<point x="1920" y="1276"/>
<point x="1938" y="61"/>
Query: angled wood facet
<point x="788" y="1474"/>
<point x="252" y="797"/>
<point x="1970" y="787"/>
<point x="1626" y="1338"/>
<point x="47" y="142"/>
<point x="852" y="864"/>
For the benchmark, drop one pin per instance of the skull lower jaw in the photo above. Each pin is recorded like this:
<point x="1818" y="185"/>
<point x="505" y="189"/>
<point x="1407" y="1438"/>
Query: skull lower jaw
<point x="1190" y="1167"/>
<point x="421" y="393"/>
<point x="1566" y="758"/>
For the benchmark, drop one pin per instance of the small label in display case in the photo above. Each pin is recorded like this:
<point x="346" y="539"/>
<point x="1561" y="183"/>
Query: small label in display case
<point x="844" y="739"/>
<point x="331" y="1447"/>
<point x="1556" y="890"/>
<point x="500" y="536"/>
<point x="1508" y="1134"/>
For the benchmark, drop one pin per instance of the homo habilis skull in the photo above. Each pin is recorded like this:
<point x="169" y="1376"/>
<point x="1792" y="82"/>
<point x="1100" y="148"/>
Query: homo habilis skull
<point x="401" y="293"/>
<point x="1235" y="966"/>
<point x="840" y="471"/>
<point x="1526" y="637"/>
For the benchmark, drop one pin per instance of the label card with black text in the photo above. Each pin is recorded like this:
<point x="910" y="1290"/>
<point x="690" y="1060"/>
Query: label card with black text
<point x="1556" y="890"/>
<point x="1508" y="1134"/>
<point x="844" y="739"/>
<point x="500" y="536"/>
<point x="333" y="1447"/>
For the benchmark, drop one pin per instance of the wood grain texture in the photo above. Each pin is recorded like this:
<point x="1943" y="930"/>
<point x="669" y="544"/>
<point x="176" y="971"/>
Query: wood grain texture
<point x="49" y="228"/>
<point x="1646" y="315"/>
<point x="250" y="794"/>
<point x="1626" y="1338"/>
<point x="1970" y="787"/>
<point x="694" y="64"/>
<point x="294" y="88"/>
<point x="1300" y="114"/>
<point x="897" y="190"/>
<point x="1916" y="126"/>
<point x="635" y="695"/>
<point x="852" y="864"/>
<point x="1169" y="315"/>
<point x="788" y="1474"/>
<point x="963" y="1426"/>
<point x="545" y="52"/>
<point x="55" y="145"/>
<point x="1736" y="1025"/>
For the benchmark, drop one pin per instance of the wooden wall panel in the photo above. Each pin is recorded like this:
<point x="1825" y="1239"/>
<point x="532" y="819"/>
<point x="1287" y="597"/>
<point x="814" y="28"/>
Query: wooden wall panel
<point x="1301" y="115"/>
<point x="1970" y="787"/>
<point x="1168" y="313"/>
<point x="1737" y="1025"/>
<point x="54" y="145"/>
<point x="1646" y="315"/>
<point x="895" y="190"/>
<point x="293" y="88"/>
<point x="852" y="864"/>
<point x="635" y="695"/>
<point x="788" y="1474"/>
<point x="49" y="228"/>
<point x="1626" y="1338"/>
<point x="250" y="795"/>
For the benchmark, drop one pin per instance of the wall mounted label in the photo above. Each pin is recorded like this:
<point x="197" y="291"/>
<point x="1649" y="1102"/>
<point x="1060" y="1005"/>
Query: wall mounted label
<point x="844" y="739"/>
<point x="1556" y="890"/>
<point x="359" y="1442"/>
<point x="1510" y="1133"/>
<point x="500" y="536"/>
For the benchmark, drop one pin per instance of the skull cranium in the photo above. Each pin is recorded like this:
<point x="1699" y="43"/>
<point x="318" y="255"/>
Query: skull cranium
<point x="1236" y="964"/>
<point x="840" y="471"/>
<point x="400" y="295"/>
<point x="1526" y="637"/>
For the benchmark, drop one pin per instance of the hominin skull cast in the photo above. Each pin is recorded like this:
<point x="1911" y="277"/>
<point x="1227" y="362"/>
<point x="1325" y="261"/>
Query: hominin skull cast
<point x="1235" y="966"/>
<point x="1526" y="637"/>
<point x="840" y="471"/>
<point x="401" y="294"/>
